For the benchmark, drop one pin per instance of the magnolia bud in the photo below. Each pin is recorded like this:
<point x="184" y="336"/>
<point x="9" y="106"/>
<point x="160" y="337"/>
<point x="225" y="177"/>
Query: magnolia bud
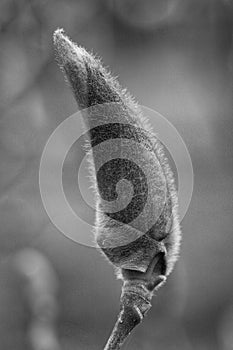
<point x="137" y="225"/>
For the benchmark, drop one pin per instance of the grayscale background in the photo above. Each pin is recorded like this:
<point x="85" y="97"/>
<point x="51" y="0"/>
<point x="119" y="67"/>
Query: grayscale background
<point x="174" y="56"/>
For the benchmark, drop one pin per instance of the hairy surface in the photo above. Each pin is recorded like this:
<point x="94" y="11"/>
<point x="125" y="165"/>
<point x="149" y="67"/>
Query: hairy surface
<point x="141" y="238"/>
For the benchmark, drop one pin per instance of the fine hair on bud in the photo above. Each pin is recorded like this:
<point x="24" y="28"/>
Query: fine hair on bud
<point x="137" y="225"/>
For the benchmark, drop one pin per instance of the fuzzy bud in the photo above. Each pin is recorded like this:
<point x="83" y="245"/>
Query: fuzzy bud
<point x="140" y="236"/>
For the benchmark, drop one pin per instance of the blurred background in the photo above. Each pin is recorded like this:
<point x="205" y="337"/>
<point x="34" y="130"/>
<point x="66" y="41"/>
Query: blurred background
<point x="175" y="56"/>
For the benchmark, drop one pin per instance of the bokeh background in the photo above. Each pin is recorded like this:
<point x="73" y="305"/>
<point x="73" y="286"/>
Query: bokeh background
<point x="175" y="56"/>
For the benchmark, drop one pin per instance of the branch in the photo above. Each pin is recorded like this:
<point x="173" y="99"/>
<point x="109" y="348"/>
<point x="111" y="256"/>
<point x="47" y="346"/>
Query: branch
<point x="133" y="309"/>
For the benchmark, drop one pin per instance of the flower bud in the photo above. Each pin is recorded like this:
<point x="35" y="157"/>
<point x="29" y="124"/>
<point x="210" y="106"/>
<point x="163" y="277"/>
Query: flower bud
<point x="137" y="226"/>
